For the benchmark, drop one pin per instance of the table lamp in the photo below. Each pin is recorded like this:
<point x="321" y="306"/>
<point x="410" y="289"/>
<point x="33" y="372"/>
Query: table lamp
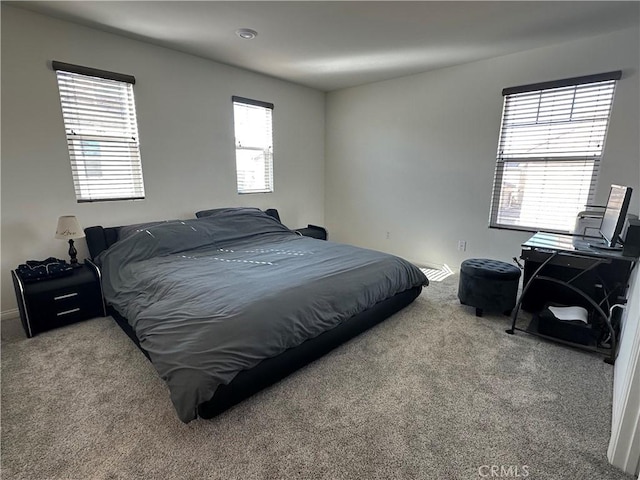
<point x="69" y="228"/>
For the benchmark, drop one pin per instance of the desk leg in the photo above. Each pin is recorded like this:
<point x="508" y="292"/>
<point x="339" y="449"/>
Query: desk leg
<point x="525" y="288"/>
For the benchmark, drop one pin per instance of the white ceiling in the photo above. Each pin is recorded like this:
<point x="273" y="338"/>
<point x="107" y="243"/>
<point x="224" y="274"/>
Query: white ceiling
<point x="332" y="45"/>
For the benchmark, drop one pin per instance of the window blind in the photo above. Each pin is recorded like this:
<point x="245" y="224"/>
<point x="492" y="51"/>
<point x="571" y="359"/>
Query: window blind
<point x="549" y="152"/>
<point x="102" y="134"/>
<point x="253" y="125"/>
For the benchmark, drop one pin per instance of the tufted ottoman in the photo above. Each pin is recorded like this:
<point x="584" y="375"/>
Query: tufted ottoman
<point x="488" y="285"/>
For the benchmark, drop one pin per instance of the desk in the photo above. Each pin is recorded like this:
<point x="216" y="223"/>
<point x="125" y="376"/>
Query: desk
<point x="573" y="273"/>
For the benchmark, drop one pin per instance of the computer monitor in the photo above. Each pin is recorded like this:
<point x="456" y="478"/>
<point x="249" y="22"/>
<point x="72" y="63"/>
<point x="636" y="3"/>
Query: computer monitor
<point x="615" y="215"/>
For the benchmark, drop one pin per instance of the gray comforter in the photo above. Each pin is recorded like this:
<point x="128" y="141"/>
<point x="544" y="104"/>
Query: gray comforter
<point x="211" y="297"/>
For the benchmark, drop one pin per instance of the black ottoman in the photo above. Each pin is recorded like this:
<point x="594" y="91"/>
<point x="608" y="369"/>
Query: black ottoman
<point x="489" y="285"/>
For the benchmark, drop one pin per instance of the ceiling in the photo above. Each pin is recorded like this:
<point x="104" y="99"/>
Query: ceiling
<point x="333" y="45"/>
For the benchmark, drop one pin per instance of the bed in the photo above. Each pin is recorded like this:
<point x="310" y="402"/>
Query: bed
<point x="227" y="304"/>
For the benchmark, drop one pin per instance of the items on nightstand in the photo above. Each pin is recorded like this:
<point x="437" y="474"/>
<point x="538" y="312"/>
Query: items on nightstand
<point x="313" y="231"/>
<point x="54" y="302"/>
<point x="36" y="270"/>
<point x="69" y="228"/>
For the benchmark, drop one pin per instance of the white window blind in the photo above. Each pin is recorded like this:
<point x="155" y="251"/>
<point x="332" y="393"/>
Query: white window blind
<point x="102" y="133"/>
<point x="549" y="152"/>
<point x="253" y="124"/>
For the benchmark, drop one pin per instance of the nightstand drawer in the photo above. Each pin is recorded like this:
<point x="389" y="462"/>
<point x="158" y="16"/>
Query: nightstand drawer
<point x="59" y="300"/>
<point x="67" y="301"/>
<point x="50" y="308"/>
<point x="68" y="316"/>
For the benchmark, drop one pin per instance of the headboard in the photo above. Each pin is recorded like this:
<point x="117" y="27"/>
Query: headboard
<point x="99" y="238"/>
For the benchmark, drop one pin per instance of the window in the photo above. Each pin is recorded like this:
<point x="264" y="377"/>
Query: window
<point x="102" y="133"/>
<point x="253" y="122"/>
<point x="549" y="152"/>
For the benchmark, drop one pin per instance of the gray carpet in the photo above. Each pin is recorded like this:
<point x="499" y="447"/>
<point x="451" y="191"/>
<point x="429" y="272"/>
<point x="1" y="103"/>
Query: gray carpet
<point x="432" y="393"/>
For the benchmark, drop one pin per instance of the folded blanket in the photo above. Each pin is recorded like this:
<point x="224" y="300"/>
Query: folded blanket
<point x="35" y="270"/>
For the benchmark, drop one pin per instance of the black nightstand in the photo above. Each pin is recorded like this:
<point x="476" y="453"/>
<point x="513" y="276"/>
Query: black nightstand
<point x="48" y="304"/>
<point x="313" y="231"/>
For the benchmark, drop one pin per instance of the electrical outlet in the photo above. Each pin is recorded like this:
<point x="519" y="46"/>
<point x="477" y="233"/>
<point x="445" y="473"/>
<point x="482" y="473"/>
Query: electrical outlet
<point x="462" y="245"/>
<point x="388" y="235"/>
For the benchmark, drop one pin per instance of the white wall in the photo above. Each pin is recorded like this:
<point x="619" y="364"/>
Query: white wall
<point x="624" y="447"/>
<point x="186" y="137"/>
<point x="415" y="156"/>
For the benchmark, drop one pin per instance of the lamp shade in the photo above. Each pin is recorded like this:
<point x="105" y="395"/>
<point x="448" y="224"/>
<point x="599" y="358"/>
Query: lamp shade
<point x="69" y="227"/>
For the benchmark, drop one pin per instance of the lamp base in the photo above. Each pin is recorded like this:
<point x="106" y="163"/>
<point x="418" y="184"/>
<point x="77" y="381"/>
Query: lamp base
<point x="73" y="255"/>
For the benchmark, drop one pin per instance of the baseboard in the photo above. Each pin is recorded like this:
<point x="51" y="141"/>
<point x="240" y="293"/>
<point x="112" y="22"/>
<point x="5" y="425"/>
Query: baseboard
<point x="10" y="314"/>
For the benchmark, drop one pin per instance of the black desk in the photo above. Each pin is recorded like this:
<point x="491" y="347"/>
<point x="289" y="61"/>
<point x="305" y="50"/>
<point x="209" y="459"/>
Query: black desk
<point x="572" y="272"/>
